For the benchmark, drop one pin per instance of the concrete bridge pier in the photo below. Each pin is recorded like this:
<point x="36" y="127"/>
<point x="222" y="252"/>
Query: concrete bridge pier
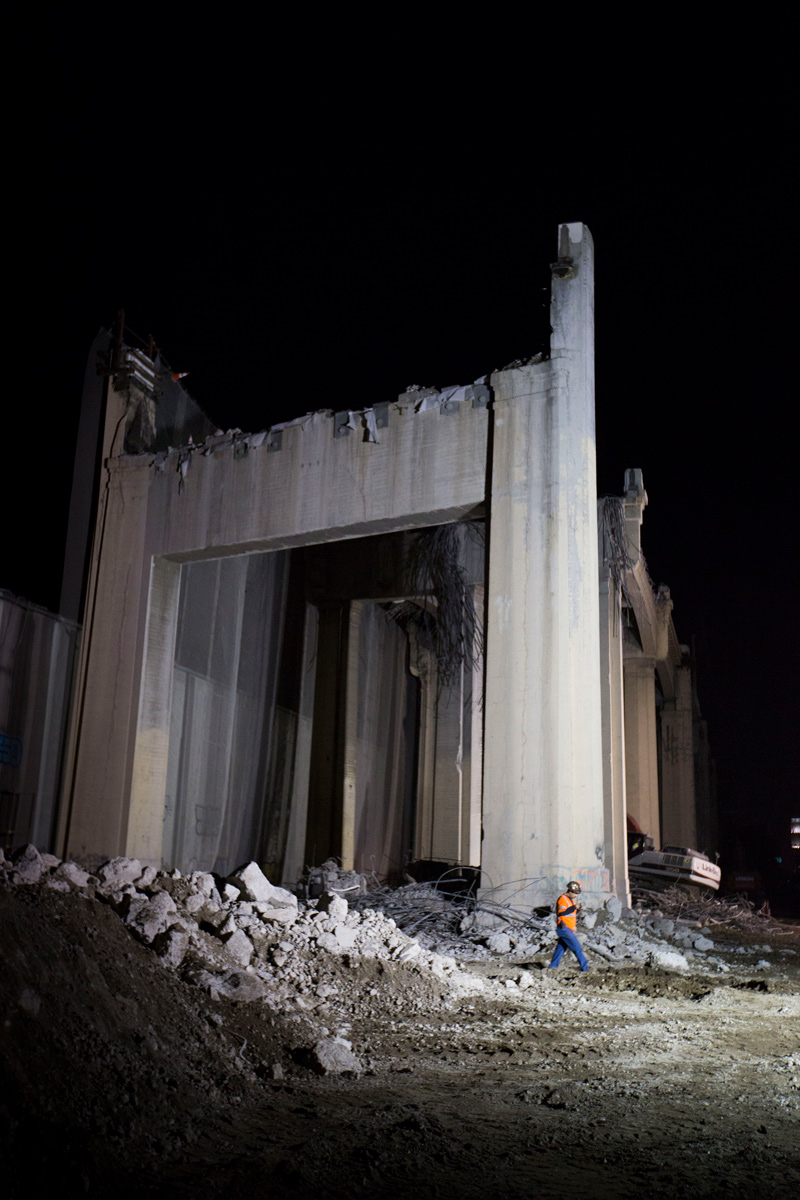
<point x="543" y="776"/>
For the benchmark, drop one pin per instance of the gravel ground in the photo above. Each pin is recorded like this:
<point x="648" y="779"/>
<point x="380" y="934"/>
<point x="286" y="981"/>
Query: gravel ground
<point x="129" y="1073"/>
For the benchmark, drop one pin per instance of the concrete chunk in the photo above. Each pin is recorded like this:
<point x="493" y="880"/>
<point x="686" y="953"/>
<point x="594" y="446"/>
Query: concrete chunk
<point x="346" y="937"/>
<point x="153" y="917"/>
<point x="499" y="943"/>
<point x="27" y="872"/>
<point x="254" y="885"/>
<point x="118" y="871"/>
<point x="282" y="916"/>
<point x="28" y="865"/>
<point x="57" y="885"/>
<point x="171" y="947"/>
<point x="335" y="906"/>
<point x="73" y="874"/>
<point x="27" y="853"/>
<point x="202" y="882"/>
<point x="334" y="1056"/>
<point x="613" y="907"/>
<point x="235" y="984"/>
<point x="239" y="947"/>
<point x="667" y="960"/>
<point x="327" y="941"/>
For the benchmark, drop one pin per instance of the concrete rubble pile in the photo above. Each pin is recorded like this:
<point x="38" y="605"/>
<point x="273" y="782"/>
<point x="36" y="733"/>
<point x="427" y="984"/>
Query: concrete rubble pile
<point x="246" y="939"/>
<point x="467" y="930"/>
<point x="479" y="930"/>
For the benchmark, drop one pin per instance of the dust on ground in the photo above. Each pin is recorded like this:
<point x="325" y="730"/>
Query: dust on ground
<point x="121" y="1077"/>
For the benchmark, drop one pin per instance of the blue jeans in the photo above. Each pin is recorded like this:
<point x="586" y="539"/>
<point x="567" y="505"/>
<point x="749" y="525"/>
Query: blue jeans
<point x="567" y="940"/>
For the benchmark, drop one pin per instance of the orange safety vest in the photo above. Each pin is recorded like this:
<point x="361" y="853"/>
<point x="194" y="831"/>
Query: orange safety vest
<point x="566" y="912"/>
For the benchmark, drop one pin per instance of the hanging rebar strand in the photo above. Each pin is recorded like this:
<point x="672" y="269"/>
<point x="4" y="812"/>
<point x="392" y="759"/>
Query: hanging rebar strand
<point x="434" y="569"/>
<point x="615" y="544"/>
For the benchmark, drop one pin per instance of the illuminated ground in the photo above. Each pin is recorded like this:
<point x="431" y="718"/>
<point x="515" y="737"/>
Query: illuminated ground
<point x="120" y="1079"/>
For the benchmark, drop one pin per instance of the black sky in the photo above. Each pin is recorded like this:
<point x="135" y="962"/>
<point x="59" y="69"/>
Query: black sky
<point x="305" y="230"/>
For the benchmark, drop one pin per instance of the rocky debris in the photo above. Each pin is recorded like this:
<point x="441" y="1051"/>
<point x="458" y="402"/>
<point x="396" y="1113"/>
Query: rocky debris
<point x="332" y="879"/>
<point x="254" y="885"/>
<point x="499" y="943"/>
<point x="171" y="947"/>
<point x="72" y="873"/>
<point x="331" y="1056"/>
<point x="246" y="939"/>
<point x="118" y="871"/>
<point x="56" y="885"/>
<point x="28" y="865"/>
<point x="239" y="947"/>
<point x="147" y="918"/>
<point x="333" y="904"/>
<point x="233" y="984"/>
<point x="185" y="1089"/>
<point x="667" y="960"/>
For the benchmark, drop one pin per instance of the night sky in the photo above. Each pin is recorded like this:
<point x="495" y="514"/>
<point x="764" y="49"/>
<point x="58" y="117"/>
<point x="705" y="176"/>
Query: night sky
<point x="302" y="230"/>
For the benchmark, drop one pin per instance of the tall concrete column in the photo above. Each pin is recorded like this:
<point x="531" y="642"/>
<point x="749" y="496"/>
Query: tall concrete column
<point x="677" y="764"/>
<point x="96" y="800"/>
<point x="446" y="826"/>
<point x="423" y="666"/>
<point x="543" y="776"/>
<point x="348" y="801"/>
<point x="326" y="785"/>
<point x="641" y="755"/>
<point x="472" y="749"/>
<point x="613" y="726"/>
<point x="151" y="748"/>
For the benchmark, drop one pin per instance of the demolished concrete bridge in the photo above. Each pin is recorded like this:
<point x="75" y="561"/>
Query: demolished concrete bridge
<point x="261" y="677"/>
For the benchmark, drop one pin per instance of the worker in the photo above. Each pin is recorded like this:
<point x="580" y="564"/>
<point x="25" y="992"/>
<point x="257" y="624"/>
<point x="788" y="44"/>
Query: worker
<point x="567" y="909"/>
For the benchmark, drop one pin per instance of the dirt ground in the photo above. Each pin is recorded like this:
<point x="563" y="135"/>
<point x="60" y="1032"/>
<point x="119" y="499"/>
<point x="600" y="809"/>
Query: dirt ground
<point x="119" y="1078"/>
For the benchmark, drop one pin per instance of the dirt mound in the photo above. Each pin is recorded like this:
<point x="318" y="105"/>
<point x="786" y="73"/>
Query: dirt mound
<point x="148" y="1050"/>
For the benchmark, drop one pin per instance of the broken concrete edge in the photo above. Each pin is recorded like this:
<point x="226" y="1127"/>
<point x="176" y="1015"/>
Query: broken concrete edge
<point x="370" y="420"/>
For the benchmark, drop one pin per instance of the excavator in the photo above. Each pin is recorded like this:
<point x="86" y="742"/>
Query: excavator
<point x="671" y="866"/>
